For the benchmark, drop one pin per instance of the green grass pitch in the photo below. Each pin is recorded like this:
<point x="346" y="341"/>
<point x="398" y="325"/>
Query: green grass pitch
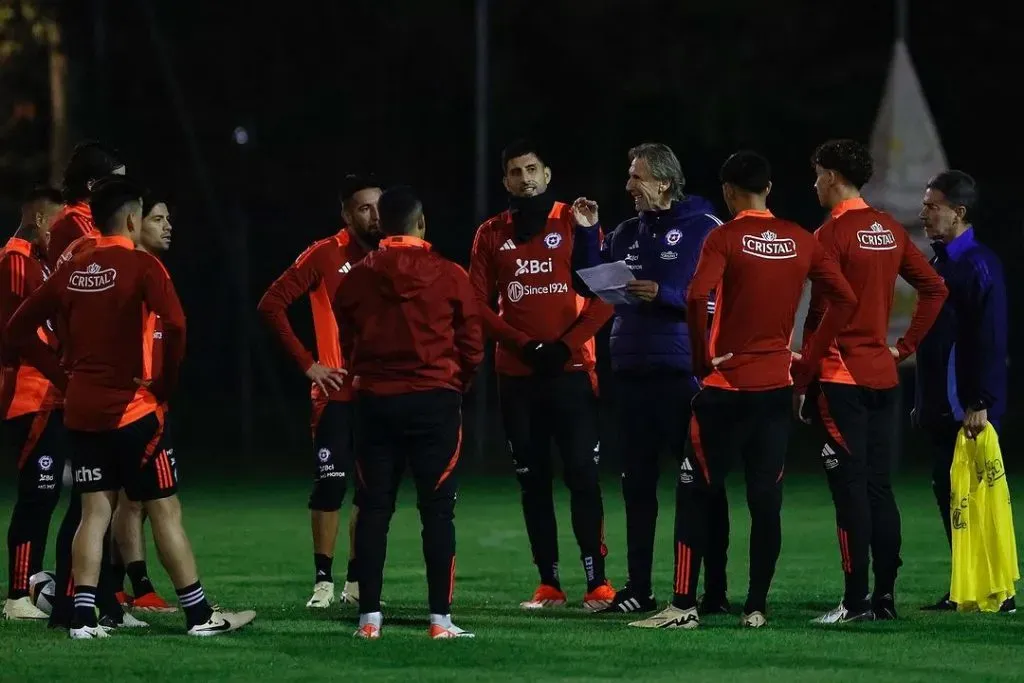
<point x="252" y="543"/>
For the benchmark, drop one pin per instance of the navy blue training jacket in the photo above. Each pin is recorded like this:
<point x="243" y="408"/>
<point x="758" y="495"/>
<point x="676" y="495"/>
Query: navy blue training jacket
<point x="662" y="246"/>
<point x="961" y="362"/>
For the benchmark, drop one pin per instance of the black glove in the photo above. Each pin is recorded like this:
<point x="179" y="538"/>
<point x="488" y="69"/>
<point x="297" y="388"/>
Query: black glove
<point x="529" y="353"/>
<point x="550" y="358"/>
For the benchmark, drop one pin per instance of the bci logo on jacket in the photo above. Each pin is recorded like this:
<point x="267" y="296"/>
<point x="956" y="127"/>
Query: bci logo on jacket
<point x="533" y="266"/>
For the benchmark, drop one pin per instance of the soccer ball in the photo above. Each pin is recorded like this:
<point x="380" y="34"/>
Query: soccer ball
<point x="42" y="587"/>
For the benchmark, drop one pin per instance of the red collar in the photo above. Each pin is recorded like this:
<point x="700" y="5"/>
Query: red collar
<point x="755" y="213"/>
<point x="557" y="212"/>
<point x="19" y="246"/>
<point x="854" y="204"/>
<point x="404" y="242"/>
<point x="114" y="241"/>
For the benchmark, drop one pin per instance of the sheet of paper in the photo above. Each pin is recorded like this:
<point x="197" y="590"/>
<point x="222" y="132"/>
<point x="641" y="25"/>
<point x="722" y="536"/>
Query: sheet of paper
<point x="608" y="282"/>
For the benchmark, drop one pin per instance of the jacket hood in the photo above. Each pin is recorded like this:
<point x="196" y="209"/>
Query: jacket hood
<point x="693" y="205"/>
<point x="403" y="272"/>
<point x="681" y="211"/>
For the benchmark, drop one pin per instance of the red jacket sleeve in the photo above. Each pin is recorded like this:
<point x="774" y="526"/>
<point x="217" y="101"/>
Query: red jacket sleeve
<point x="468" y="327"/>
<point x="483" y="278"/>
<point x="931" y="294"/>
<point x="592" y="318"/>
<point x="706" y="278"/>
<point x="295" y="282"/>
<point x="826" y="237"/>
<point x="21" y="334"/>
<point x="841" y="304"/>
<point x="19" y="277"/>
<point x="160" y="298"/>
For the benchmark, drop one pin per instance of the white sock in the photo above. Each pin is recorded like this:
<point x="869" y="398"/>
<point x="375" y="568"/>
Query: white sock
<point x="442" y="620"/>
<point x="370" y="618"/>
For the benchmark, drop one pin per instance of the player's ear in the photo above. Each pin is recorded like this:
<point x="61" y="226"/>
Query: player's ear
<point x="38" y="219"/>
<point x="504" y="182"/>
<point x="768" y="190"/>
<point x="547" y="175"/>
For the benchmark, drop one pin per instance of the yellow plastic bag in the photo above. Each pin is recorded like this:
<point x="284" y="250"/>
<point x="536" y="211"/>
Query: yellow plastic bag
<point x="984" y="545"/>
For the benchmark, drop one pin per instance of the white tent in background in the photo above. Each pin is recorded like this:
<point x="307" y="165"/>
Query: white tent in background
<point x="904" y="143"/>
<point x="908" y="153"/>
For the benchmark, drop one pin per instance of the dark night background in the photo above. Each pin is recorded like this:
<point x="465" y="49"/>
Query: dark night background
<point x="329" y="87"/>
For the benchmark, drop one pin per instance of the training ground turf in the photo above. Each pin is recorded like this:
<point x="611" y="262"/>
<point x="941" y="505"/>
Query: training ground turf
<point x="252" y="542"/>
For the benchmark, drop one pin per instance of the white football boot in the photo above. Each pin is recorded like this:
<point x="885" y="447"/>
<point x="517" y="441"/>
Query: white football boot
<point x="222" y="622"/>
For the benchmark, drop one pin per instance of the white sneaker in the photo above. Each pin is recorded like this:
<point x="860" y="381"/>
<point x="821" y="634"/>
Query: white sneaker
<point x="133" y="622"/>
<point x="89" y="632"/>
<point x="369" y="626"/>
<point x="127" y="621"/>
<point x="222" y="622"/>
<point x="841" y="615"/>
<point x="23" y="609"/>
<point x="350" y="593"/>
<point x="753" y="620"/>
<point x="323" y="595"/>
<point x="442" y="628"/>
<point x="671" y="617"/>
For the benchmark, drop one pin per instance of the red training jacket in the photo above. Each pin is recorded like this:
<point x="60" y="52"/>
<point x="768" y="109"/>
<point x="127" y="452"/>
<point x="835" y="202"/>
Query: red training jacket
<point x="534" y="285"/>
<point x="757" y="264"/>
<point x="317" y="272"/>
<point x="103" y="299"/>
<point x="74" y="221"/>
<point x="23" y="388"/>
<point x="408" y="321"/>
<point x="872" y="249"/>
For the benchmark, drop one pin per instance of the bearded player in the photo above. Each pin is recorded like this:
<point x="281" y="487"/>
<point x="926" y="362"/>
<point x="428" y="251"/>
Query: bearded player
<point x="317" y="273"/>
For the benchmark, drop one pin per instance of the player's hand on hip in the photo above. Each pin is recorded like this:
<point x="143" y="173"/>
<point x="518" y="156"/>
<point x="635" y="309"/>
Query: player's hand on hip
<point x="158" y="389"/>
<point x="645" y="290"/>
<point x="584" y="211"/>
<point x="328" y="379"/>
<point x="704" y="371"/>
<point x="895" y="352"/>
<point x="974" y="422"/>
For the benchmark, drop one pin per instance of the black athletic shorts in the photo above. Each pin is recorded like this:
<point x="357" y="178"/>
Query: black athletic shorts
<point x="332" y="441"/>
<point x="40" y="445"/>
<point x="137" y="457"/>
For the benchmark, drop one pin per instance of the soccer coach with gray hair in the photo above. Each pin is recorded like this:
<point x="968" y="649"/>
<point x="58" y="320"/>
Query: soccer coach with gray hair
<point x="651" y="355"/>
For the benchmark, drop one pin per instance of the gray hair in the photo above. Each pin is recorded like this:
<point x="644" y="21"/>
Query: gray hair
<point x="664" y="165"/>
